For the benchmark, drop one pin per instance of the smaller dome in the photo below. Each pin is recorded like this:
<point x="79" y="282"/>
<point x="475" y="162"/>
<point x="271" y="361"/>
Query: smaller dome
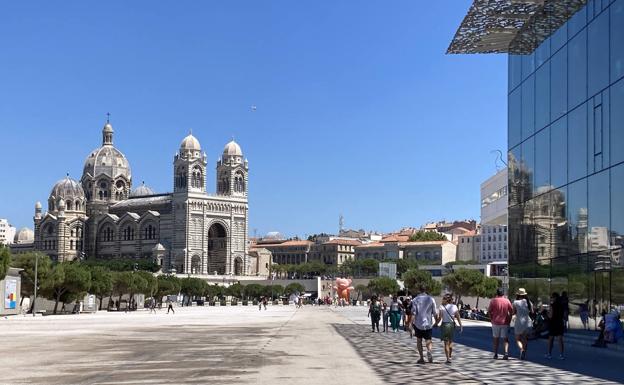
<point x="159" y="247"/>
<point x="232" y="149"/>
<point x="142" y="191"/>
<point x="67" y="188"/>
<point x="38" y="205"/>
<point x="107" y="128"/>
<point x="190" y="143"/>
<point x="274" y="235"/>
<point x="24" y="235"/>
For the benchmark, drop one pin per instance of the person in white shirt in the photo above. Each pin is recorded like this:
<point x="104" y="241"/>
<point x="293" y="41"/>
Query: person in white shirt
<point x="448" y="313"/>
<point x="423" y="312"/>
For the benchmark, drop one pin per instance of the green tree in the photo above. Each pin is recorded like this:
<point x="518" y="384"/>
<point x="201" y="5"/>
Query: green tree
<point x="236" y="290"/>
<point x="138" y="284"/>
<point x="67" y="280"/>
<point x="414" y="278"/>
<point x="487" y="288"/>
<point x="293" y="288"/>
<point x="273" y="291"/>
<point x="122" y="280"/>
<point x="167" y="285"/>
<point x="404" y="265"/>
<point x="151" y="287"/>
<point x="425" y="236"/>
<point x="253" y="291"/>
<point x="192" y="287"/>
<point x="463" y="281"/>
<point x="5" y="260"/>
<point x="26" y="262"/>
<point x="368" y="267"/>
<point x="101" y="283"/>
<point x="362" y="291"/>
<point x="212" y="291"/>
<point x="383" y="286"/>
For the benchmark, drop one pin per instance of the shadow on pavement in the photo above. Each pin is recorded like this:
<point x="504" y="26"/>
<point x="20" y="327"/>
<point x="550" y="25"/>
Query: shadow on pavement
<point x="395" y="362"/>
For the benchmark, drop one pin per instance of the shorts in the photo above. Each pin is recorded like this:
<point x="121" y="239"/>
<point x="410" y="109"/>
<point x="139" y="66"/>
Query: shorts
<point x="424" y="334"/>
<point x="500" y="331"/>
<point x="447" y="331"/>
<point x="555" y="329"/>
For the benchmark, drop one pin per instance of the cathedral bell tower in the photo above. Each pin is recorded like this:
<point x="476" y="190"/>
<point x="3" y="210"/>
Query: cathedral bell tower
<point x="232" y="171"/>
<point x="189" y="167"/>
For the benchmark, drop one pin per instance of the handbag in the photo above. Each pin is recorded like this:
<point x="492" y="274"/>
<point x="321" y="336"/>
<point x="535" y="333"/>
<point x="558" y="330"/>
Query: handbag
<point x="452" y="318"/>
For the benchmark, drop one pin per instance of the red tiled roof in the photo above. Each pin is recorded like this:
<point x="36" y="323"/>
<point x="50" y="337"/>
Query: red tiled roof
<point x="348" y="242"/>
<point x="423" y="243"/>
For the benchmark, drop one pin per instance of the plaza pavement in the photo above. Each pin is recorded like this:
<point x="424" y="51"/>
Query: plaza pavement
<point x="282" y="345"/>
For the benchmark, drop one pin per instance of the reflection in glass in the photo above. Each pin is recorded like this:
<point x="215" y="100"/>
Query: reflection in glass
<point x="528" y="166"/>
<point x="598" y="211"/>
<point x="528" y="107"/>
<point x="577" y="70"/>
<point x="577" y="143"/>
<point x="617" y="40"/>
<point x="617" y="206"/>
<point x="598" y="54"/>
<point x="559" y="152"/>
<point x="542" y="96"/>
<point x="515" y="71"/>
<point x="559" y="84"/>
<point x="617" y="122"/>
<point x="577" y="216"/>
<point x="515" y="117"/>
<point x="542" y="160"/>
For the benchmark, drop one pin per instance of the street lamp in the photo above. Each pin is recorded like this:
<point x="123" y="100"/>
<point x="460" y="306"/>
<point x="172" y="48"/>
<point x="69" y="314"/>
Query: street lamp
<point x="34" y="312"/>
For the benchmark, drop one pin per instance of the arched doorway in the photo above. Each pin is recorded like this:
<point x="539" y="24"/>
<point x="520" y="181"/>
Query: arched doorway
<point x="238" y="266"/>
<point x="217" y="248"/>
<point x="195" y="265"/>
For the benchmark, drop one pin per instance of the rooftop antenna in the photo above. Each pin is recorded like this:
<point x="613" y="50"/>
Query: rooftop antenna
<point x="108" y="117"/>
<point x="499" y="157"/>
<point x="340" y="223"/>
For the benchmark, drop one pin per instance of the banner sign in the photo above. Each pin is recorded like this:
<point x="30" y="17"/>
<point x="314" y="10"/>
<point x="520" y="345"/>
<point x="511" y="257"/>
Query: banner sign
<point x="10" y="294"/>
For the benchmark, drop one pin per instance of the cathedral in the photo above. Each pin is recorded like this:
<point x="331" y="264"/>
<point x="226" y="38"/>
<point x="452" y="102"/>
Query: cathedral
<point x="186" y="231"/>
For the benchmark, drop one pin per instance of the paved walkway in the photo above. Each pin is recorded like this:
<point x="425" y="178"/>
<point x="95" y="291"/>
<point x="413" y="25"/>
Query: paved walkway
<point x="473" y="361"/>
<point x="282" y="345"/>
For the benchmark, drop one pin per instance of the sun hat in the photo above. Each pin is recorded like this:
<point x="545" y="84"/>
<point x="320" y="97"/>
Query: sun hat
<point x="521" y="291"/>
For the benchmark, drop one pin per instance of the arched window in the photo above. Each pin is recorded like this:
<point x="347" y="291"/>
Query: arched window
<point x="101" y="195"/>
<point x="68" y="205"/>
<point x="71" y="244"/>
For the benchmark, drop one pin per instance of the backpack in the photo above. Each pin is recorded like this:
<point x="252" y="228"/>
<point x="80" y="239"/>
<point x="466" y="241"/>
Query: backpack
<point x="375" y="309"/>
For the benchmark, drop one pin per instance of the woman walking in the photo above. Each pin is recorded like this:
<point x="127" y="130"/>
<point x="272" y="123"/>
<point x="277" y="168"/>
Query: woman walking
<point x="448" y="313"/>
<point x="556" y="324"/>
<point x="374" y="312"/>
<point x="385" y="314"/>
<point x="522" y="309"/>
<point x="395" y="314"/>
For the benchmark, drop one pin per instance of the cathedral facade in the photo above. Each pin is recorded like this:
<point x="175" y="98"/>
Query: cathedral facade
<point x="185" y="231"/>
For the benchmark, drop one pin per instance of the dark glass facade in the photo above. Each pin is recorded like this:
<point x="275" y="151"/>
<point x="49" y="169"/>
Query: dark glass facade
<point x="566" y="162"/>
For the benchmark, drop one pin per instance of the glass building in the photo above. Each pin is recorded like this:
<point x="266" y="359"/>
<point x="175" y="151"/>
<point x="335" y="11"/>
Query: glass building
<point x="566" y="146"/>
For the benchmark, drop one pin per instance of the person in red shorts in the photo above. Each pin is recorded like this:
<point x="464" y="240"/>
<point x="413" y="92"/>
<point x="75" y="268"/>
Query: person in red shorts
<point x="500" y="312"/>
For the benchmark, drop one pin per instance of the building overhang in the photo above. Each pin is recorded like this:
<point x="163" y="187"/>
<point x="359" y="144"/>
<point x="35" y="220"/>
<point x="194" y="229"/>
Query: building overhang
<point x="511" y="26"/>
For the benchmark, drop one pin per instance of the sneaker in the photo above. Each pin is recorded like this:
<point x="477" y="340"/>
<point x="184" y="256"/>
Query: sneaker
<point x="429" y="357"/>
<point x="505" y="357"/>
<point x="448" y="362"/>
<point x="561" y="357"/>
<point x="548" y="356"/>
<point x="495" y="357"/>
<point x="523" y="355"/>
<point x="421" y="361"/>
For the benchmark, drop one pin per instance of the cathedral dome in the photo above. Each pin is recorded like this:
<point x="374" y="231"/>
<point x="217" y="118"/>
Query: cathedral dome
<point x="232" y="149"/>
<point x="67" y="188"/>
<point x="190" y="143"/>
<point x="24" y="235"/>
<point x="107" y="159"/>
<point x="142" y="191"/>
<point x="67" y="194"/>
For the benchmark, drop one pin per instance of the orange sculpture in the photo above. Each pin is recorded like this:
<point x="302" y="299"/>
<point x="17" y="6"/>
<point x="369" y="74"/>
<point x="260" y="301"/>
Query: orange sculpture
<point x="343" y="287"/>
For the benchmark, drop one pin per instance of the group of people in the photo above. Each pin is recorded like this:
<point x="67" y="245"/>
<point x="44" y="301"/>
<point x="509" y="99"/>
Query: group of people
<point x="419" y="315"/>
<point x="501" y="311"/>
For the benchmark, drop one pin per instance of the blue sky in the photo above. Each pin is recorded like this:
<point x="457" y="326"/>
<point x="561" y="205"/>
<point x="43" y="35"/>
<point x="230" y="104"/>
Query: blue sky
<point x="359" y="110"/>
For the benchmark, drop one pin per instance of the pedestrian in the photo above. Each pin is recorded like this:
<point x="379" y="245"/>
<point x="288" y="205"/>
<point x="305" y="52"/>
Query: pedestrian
<point x="523" y="310"/>
<point x="385" y="314"/>
<point x="556" y="324"/>
<point x="170" y="306"/>
<point x="448" y="313"/>
<point x="423" y="311"/>
<point x="395" y="314"/>
<point x="374" y="312"/>
<point x="260" y="303"/>
<point x="500" y="311"/>
<point x="152" y="306"/>
<point x="264" y="302"/>
<point x="565" y="302"/>
<point x="407" y="309"/>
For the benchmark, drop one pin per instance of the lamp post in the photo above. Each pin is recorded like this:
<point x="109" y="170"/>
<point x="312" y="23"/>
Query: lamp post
<point x="34" y="312"/>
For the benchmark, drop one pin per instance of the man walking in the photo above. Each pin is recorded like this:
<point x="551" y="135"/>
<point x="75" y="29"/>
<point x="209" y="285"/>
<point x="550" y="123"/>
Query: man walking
<point x="423" y="311"/>
<point x="170" y="306"/>
<point x="500" y="312"/>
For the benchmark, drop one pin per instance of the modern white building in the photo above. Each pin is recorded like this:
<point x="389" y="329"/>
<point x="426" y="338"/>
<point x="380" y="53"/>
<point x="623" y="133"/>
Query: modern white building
<point x="7" y="232"/>
<point x="493" y="243"/>
<point x="494" y="200"/>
